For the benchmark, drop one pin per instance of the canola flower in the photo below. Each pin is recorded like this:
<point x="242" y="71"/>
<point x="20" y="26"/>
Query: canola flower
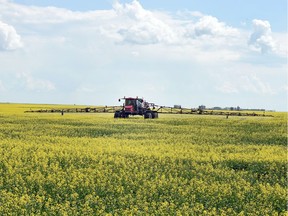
<point x="93" y="164"/>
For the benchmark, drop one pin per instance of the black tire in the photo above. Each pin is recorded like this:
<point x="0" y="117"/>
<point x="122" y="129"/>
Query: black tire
<point x="148" y="115"/>
<point x="154" y="115"/>
<point x="123" y="115"/>
<point x="117" y="114"/>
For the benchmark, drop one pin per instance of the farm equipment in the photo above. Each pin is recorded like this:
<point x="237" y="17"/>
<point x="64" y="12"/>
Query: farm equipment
<point x="138" y="106"/>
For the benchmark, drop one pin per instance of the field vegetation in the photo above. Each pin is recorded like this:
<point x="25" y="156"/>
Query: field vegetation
<point x="93" y="164"/>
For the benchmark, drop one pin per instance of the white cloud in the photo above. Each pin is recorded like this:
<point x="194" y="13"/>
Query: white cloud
<point x="9" y="39"/>
<point x="143" y="26"/>
<point x="47" y="15"/>
<point x="209" y="25"/>
<point x="261" y="38"/>
<point x="35" y="84"/>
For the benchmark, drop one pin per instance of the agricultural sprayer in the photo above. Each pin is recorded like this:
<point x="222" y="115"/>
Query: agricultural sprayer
<point x="138" y="106"/>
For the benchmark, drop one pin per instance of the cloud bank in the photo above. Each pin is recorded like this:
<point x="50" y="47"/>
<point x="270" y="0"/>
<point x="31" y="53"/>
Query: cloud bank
<point x="130" y="23"/>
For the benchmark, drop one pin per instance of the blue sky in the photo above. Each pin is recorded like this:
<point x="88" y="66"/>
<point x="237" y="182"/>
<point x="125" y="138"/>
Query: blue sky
<point x="216" y="53"/>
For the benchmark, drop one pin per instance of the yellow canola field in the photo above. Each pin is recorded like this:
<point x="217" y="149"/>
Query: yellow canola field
<point x="93" y="164"/>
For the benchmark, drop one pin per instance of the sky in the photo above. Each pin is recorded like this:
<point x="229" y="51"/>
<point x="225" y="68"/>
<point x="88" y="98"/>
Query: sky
<point x="214" y="53"/>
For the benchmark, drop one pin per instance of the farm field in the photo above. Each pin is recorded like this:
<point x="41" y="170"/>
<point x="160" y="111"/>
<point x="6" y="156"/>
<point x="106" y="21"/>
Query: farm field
<point x="93" y="164"/>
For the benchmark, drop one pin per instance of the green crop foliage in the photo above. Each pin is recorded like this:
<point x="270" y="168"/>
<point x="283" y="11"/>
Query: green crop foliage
<point x="93" y="164"/>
